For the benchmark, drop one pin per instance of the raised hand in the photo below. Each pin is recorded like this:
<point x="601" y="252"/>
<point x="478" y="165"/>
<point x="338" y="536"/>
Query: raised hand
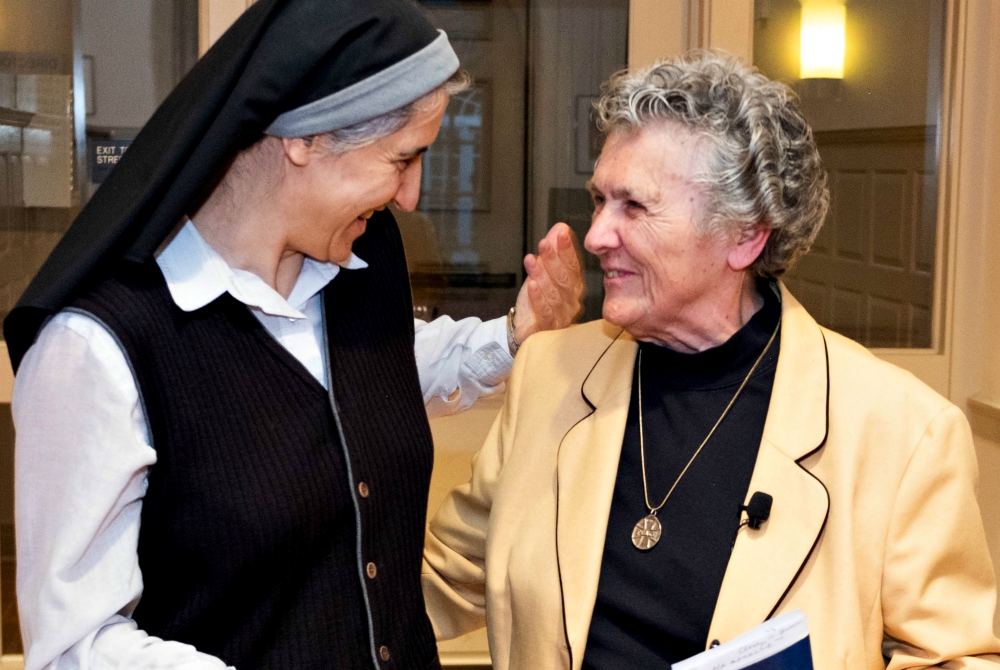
<point x="552" y="295"/>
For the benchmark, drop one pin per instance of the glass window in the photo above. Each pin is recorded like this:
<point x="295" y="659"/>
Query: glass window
<point x="538" y="69"/>
<point x="131" y="53"/>
<point x="873" y="95"/>
<point x="38" y="198"/>
<point x="465" y="242"/>
<point x="576" y="47"/>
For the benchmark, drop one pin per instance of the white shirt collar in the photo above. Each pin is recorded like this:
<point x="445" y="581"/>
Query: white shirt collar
<point x="196" y="275"/>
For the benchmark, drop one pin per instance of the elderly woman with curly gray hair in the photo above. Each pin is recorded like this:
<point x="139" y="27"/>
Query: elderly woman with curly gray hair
<point x="707" y="456"/>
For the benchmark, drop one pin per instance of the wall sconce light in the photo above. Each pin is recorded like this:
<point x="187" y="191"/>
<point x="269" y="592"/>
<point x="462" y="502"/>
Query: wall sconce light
<point x="822" y="47"/>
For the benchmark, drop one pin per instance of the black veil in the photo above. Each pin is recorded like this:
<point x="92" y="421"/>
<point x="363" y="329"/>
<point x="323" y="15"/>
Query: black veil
<point x="280" y="55"/>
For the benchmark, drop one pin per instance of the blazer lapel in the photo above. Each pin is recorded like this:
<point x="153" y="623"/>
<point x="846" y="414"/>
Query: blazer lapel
<point x="765" y="563"/>
<point x="586" y="472"/>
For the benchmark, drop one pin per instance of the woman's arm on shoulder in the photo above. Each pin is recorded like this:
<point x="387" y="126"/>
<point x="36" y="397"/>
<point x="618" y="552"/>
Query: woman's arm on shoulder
<point x="460" y="361"/>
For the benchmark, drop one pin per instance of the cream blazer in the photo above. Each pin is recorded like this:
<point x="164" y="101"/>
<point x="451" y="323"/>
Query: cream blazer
<point x="875" y="532"/>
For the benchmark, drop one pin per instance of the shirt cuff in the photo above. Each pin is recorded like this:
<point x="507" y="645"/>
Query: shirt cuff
<point x="494" y="330"/>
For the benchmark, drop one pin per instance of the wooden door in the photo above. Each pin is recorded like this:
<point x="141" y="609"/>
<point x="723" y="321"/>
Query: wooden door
<point x="870" y="274"/>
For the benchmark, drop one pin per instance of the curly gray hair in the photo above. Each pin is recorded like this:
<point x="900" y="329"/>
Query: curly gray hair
<point x="764" y="167"/>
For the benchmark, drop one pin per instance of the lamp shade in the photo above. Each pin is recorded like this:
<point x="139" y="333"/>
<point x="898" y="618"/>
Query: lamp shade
<point x="822" y="46"/>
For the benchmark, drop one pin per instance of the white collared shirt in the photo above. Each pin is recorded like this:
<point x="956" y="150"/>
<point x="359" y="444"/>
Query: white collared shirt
<point x="83" y="451"/>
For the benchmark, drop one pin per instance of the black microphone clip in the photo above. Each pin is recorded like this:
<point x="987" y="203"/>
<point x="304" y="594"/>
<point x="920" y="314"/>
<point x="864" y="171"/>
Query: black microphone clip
<point x="758" y="509"/>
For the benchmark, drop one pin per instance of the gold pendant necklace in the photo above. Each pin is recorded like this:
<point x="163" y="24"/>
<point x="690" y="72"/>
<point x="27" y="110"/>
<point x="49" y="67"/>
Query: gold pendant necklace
<point x="646" y="533"/>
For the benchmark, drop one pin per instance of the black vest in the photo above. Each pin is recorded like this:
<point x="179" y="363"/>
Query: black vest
<point x="256" y="543"/>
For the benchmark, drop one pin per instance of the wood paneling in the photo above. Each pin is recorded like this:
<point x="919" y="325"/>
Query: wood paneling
<point x="889" y="221"/>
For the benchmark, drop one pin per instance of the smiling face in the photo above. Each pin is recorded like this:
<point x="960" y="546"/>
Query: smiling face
<point x="662" y="274"/>
<point x="330" y="196"/>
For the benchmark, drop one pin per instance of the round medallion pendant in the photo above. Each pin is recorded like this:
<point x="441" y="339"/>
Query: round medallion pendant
<point x="646" y="533"/>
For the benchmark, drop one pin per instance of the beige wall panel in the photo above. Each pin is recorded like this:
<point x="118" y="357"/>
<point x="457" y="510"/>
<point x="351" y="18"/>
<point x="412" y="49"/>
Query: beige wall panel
<point x="989" y="502"/>
<point x="976" y="316"/>
<point x="215" y="17"/>
<point x="974" y="375"/>
<point x="731" y="27"/>
<point x="663" y="28"/>
<point x="656" y="29"/>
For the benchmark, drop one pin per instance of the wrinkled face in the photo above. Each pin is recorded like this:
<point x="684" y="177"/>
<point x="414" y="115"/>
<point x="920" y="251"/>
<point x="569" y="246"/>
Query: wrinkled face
<point x="332" y="195"/>
<point x="659" y="268"/>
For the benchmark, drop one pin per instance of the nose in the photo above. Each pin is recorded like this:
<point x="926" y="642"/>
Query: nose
<point x="602" y="235"/>
<point x="409" y="187"/>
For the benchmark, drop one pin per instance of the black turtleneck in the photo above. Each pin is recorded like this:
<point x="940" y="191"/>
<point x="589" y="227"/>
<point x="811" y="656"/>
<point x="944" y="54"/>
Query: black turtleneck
<point x="655" y="607"/>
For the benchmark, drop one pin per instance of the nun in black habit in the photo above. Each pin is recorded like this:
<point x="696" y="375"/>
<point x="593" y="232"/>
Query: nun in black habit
<point x="223" y="456"/>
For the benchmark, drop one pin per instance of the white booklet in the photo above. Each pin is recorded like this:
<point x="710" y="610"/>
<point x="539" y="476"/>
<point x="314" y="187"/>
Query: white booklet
<point x="781" y="643"/>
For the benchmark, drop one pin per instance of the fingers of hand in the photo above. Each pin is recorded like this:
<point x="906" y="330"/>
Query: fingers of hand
<point x="546" y="247"/>
<point x="554" y="287"/>
<point x="539" y="304"/>
<point x="547" y="301"/>
<point x="567" y="251"/>
<point x="556" y="271"/>
<point x="532" y="265"/>
<point x="565" y="270"/>
<point x="562" y="239"/>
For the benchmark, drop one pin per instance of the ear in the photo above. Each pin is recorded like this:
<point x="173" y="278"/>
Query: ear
<point x="748" y="247"/>
<point x="299" y="151"/>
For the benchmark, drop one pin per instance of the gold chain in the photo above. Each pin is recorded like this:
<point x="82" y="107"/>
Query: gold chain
<point x="642" y="443"/>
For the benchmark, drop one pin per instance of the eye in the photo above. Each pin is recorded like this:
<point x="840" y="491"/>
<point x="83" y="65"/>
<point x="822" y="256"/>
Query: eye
<point x="403" y="164"/>
<point x="598" y="200"/>
<point x="634" y="206"/>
